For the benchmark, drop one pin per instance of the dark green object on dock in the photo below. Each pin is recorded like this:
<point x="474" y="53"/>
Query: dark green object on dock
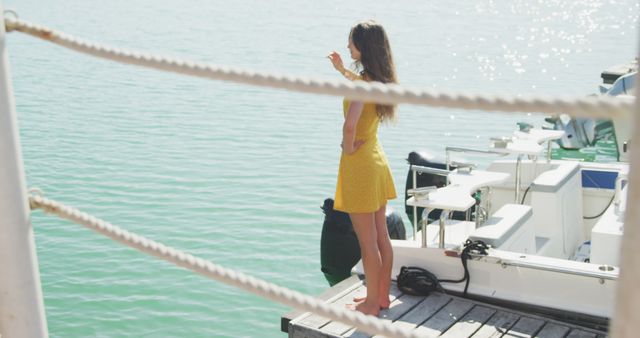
<point x="339" y="248"/>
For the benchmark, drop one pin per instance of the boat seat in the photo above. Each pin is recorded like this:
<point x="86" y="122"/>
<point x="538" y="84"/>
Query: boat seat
<point x="457" y="195"/>
<point x="510" y="228"/>
<point x="556" y="195"/>
<point x="552" y="180"/>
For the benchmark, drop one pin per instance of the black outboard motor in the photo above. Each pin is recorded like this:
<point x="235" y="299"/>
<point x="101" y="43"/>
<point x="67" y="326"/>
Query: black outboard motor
<point x="425" y="180"/>
<point x="339" y="248"/>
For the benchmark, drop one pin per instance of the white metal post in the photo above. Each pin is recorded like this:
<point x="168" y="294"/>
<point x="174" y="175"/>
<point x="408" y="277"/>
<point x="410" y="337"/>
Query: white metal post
<point x="21" y="306"/>
<point x="626" y="320"/>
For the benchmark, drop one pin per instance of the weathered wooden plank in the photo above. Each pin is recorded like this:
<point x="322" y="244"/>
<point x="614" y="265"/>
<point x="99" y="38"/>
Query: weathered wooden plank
<point x="553" y="330"/>
<point x="301" y="331"/>
<point x="438" y="314"/>
<point x="445" y="318"/>
<point x="526" y="327"/>
<point x="470" y="323"/>
<point x="328" y="295"/>
<point x="497" y="325"/>
<point x="316" y="321"/>
<point x="423" y="311"/>
<point x="397" y="309"/>
<point x="340" y="328"/>
<point x="577" y="333"/>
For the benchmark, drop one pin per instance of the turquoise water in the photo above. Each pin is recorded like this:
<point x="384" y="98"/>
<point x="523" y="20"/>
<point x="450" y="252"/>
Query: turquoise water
<point x="236" y="174"/>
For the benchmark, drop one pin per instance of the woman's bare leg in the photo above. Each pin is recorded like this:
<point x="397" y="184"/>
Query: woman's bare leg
<point x="366" y="230"/>
<point x="386" y="255"/>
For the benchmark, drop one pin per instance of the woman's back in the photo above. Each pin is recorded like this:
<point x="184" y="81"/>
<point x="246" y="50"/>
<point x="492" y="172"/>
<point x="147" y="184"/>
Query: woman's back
<point x="367" y="127"/>
<point x="365" y="182"/>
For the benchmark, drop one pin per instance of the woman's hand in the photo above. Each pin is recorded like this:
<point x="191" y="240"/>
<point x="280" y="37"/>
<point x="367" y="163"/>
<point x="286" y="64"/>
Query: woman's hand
<point x="356" y="145"/>
<point x="336" y="60"/>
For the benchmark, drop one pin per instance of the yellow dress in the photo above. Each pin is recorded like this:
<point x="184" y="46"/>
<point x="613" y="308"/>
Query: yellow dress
<point x="365" y="182"/>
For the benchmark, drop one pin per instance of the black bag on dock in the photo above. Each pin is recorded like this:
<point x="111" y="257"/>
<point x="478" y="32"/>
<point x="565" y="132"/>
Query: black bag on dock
<point x="417" y="281"/>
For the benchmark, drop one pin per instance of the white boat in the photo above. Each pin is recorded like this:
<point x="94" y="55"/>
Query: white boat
<point x="554" y="226"/>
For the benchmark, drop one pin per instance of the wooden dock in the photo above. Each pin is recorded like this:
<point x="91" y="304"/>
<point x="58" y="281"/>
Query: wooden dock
<point x="437" y="315"/>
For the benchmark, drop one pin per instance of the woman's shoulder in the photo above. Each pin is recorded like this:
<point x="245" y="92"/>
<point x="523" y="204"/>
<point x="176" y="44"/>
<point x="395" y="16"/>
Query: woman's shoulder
<point x="362" y="76"/>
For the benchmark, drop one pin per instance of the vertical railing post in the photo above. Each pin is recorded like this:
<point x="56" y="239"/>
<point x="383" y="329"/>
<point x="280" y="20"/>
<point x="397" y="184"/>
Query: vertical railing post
<point x="21" y="306"/>
<point x="626" y="319"/>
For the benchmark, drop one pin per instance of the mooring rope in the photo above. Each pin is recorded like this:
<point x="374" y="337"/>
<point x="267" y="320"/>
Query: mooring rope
<point x="369" y="324"/>
<point x="590" y="107"/>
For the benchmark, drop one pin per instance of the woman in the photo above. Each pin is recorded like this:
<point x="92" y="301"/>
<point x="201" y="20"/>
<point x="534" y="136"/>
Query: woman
<point x="365" y="182"/>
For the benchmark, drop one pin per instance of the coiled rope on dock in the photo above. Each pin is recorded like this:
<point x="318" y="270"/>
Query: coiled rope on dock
<point x="369" y="324"/>
<point x="590" y="107"/>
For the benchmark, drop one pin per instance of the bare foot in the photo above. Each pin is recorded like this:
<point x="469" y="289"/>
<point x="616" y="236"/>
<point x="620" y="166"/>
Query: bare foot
<point x="356" y="301"/>
<point x="384" y="302"/>
<point x="366" y="308"/>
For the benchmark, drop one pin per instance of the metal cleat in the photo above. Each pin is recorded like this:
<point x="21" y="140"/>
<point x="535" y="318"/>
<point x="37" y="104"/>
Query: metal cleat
<point x="463" y="166"/>
<point x="421" y="193"/>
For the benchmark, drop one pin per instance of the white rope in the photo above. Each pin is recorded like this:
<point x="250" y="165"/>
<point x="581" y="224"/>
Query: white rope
<point x="591" y="107"/>
<point x="369" y="324"/>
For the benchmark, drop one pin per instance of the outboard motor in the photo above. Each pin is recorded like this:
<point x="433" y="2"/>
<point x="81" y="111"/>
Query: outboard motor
<point x="624" y="85"/>
<point x="424" y="180"/>
<point x="339" y="248"/>
<point x="583" y="132"/>
<point x="578" y="132"/>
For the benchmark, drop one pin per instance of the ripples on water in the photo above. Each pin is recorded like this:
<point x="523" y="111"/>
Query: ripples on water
<point x="236" y="174"/>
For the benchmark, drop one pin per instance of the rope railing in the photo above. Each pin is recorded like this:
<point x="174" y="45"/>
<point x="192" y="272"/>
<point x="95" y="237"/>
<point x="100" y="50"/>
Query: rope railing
<point x="590" y="107"/>
<point x="371" y="325"/>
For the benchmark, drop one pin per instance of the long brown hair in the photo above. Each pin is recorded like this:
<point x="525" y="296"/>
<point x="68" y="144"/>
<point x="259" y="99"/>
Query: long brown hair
<point x="376" y="60"/>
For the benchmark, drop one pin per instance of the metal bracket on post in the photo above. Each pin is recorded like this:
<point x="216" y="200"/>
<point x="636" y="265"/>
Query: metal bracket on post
<point x="425" y="223"/>
<point x="21" y="306"/>
<point x="441" y="230"/>
<point x="420" y="194"/>
<point x="518" y="179"/>
<point x="415" y="208"/>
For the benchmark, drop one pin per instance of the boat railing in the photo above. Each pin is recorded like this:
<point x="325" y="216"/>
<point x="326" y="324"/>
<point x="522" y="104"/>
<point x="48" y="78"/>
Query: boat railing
<point x="417" y="195"/>
<point x="415" y="169"/>
<point x="449" y="162"/>
<point x="481" y="212"/>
